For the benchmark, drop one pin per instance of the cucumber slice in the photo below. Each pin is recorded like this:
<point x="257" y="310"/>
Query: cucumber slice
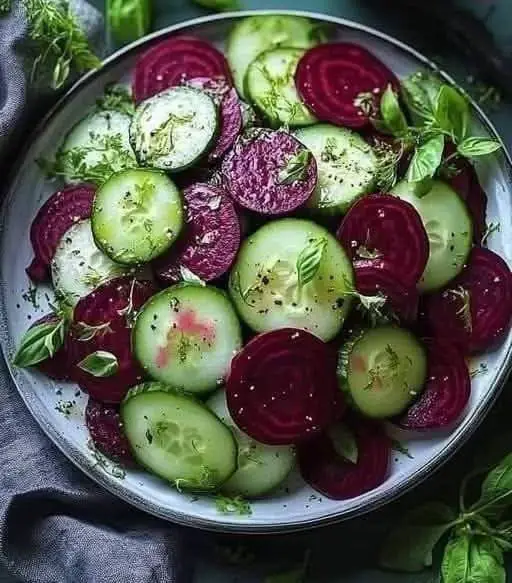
<point x="174" y="129"/>
<point x="177" y="438"/>
<point x="261" y="468"/>
<point x="252" y="36"/>
<point x="78" y="266"/>
<point x="270" y="87"/>
<point x="346" y="164"/>
<point x="136" y="216"/>
<point x="382" y="370"/>
<point x="264" y="283"/>
<point x="186" y="336"/>
<point x="449" y="229"/>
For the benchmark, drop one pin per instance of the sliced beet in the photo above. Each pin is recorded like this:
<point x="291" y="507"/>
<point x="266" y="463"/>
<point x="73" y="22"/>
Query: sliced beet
<point x="326" y="471"/>
<point x="58" y="213"/>
<point x="342" y="83"/>
<point x="257" y="172"/>
<point x="282" y="386"/>
<point x="174" y="60"/>
<point x="104" y="425"/>
<point x="211" y="237"/>
<point x="109" y="308"/>
<point x="446" y="391"/>
<point x="474" y="311"/>
<point x="58" y="366"/>
<point x="382" y="227"/>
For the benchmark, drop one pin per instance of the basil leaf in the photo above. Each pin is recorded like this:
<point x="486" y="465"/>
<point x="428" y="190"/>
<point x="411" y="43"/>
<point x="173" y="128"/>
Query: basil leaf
<point x="189" y="276"/>
<point x="391" y="113"/>
<point x="309" y="259"/>
<point x="410" y="545"/>
<point x="496" y="494"/>
<point x="40" y="343"/>
<point x="455" y="564"/>
<point x="344" y="442"/>
<point x="485" y="561"/>
<point x="100" y="364"/>
<point x="128" y="20"/>
<point x="426" y="159"/>
<point x="473" y="147"/>
<point x="219" y="5"/>
<point x="296" y="168"/>
<point x="452" y="113"/>
<point x="419" y="92"/>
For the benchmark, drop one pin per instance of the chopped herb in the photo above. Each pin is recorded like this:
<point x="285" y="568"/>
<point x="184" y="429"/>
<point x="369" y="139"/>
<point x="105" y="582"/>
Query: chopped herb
<point x="236" y="505"/>
<point x="85" y="332"/>
<point x="31" y="296"/>
<point x="400" y="448"/>
<point x="149" y="436"/>
<point x="296" y="168"/>
<point x="464" y="311"/>
<point x="118" y="98"/>
<point x="482" y="369"/>
<point x="493" y="227"/>
<point x="65" y="407"/>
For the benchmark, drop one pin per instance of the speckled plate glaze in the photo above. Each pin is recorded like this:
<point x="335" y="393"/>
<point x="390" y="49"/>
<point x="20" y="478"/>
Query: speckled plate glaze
<point x="297" y="507"/>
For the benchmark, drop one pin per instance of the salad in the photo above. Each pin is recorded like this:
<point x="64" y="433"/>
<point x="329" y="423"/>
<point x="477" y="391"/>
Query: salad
<point x="263" y="258"/>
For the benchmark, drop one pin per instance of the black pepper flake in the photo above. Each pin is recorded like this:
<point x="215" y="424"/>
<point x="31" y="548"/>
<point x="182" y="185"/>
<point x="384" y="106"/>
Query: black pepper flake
<point x="153" y="327"/>
<point x="265" y="280"/>
<point x="278" y="302"/>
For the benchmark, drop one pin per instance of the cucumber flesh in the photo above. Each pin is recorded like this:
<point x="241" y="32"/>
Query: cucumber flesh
<point x="178" y="438"/>
<point x="261" y="468"/>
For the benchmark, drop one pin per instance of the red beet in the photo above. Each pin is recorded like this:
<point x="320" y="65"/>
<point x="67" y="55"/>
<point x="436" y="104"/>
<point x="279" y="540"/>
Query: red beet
<point x="211" y="239"/>
<point x="474" y="311"/>
<point x="112" y="303"/>
<point x="282" y="386"/>
<point x="104" y="425"/>
<point x="382" y="227"/>
<point x="174" y="60"/>
<point x="326" y="471"/>
<point x="57" y="367"/>
<point x="446" y="392"/>
<point x="342" y="83"/>
<point x="55" y="217"/>
<point x="257" y="172"/>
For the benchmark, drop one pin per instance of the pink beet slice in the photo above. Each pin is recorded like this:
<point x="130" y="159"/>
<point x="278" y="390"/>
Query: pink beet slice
<point x="446" y="391"/>
<point x="173" y="61"/>
<point x="282" y="386"/>
<point x="104" y="425"/>
<point x="382" y="227"/>
<point x="58" y="367"/>
<point x="474" y="311"/>
<point x="326" y="471"/>
<point x="55" y="217"/>
<point x="211" y="238"/>
<point x="342" y="83"/>
<point x="112" y="306"/>
<point x="258" y="172"/>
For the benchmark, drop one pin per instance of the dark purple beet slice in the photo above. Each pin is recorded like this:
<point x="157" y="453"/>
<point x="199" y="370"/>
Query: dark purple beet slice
<point x="446" y="391"/>
<point x="55" y="217"/>
<point x="477" y="205"/>
<point x="104" y="425"/>
<point x="109" y="304"/>
<point x="174" y="60"/>
<point x="282" y="386"/>
<point x="326" y="471"/>
<point x="386" y="228"/>
<point x="333" y="80"/>
<point x="58" y="367"/>
<point x="474" y="311"/>
<point x="254" y="172"/>
<point x="211" y="238"/>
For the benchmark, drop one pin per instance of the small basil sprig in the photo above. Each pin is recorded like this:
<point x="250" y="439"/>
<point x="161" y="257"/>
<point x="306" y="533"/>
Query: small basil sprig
<point x="100" y="364"/>
<point x="309" y="259"/>
<point x="41" y="342"/>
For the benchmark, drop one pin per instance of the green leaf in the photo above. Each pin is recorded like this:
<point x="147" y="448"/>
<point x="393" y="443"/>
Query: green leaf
<point x="128" y="20"/>
<point x="100" y="364"/>
<point x="296" y="168"/>
<point x="118" y="98"/>
<point x="344" y="442"/>
<point x="473" y="147"/>
<point x="40" y="343"/>
<point x="409" y="546"/>
<point x="219" y="5"/>
<point x="392" y="114"/>
<point x="5" y="6"/>
<point x="309" y="259"/>
<point x="486" y="561"/>
<point x="455" y="564"/>
<point x="426" y="159"/>
<point x="189" y="276"/>
<point x="452" y="113"/>
<point x="496" y="494"/>
<point x="419" y="91"/>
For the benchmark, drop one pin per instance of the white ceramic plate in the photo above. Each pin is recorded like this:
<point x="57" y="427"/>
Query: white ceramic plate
<point x="299" y="506"/>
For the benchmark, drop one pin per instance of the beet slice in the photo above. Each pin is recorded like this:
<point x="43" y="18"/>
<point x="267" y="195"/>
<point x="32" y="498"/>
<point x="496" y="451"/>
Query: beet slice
<point x="104" y="425"/>
<point x="385" y="227"/>
<point x="255" y="172"/>
<point x="282" y="386"/>
<point x="64" y="208"/>
<point x="446" y="391"/>
<point x="174" y="60"/>
<point x="485" y="286"/>
<point x="342" y="83"/>
<point x="326" y="471"/>
<point x="58" y="366"/>
<point x="211" y="239"/>
<point x="113" y="303"/>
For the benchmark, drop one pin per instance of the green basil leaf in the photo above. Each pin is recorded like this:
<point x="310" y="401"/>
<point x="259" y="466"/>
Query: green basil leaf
<point x="452" y="113"/>
<point x="391" y="113"/>
<point x="485" y="561"/>
<point x="100" y="364"/>
<point x="219" y="5"/>
<point x="419" y="92"/>
<point x="473" y="147"/>
<point x="455" y="564"/>
<point x="344" y="442"/>
<point x="309" y="259"/>
<point x="296" y="168"/>
<point x="426" y="159"/>
<point x="496" y="494"/>
<point x="128" y="20"/>
<point x="410" y="545"/>
<point x="189" y="276"/>
<point x="40" y="343"/>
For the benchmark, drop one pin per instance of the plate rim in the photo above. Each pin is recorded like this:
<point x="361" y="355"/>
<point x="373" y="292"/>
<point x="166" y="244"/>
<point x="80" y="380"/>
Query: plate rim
<point x="77" y="457"/>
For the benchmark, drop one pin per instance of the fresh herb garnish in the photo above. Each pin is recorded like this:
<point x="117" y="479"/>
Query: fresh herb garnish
<point x="65" y="407"/>
<point x="41" y="342"/>
<point x="364" y="253"/>
<point x="129" y="311"/>
<point x="117" y="98"/>
<point x="492" y="227"/>
<point x="365" y="101"/>
<point x="161" y="141"/>
<point x="481" y="369"/>
<point x="190" y="277"/>
<point x="5" y="6"/>
<point x="296" y="168"/>
<point x="100" y="364"/>
<point x="309" y="260"/>
<point x="464" y="311"/>
<point x="31" y="296"/>
<point x="235" y="505"/>
<point x="128" y="20"/>
<point x="85" y="332"/>
<point x="400" y="448"/>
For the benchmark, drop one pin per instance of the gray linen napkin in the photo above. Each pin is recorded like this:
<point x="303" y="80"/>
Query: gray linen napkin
<point x="56" y="525"/>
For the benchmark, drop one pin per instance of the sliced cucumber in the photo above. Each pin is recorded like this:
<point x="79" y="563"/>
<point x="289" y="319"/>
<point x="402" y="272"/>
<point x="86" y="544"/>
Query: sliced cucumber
<point x="137" y="215"/>
<point x="177" y="438"/>
<point x="270" y="87"/>
<point x="174" y="129"/>
<point x="78" y="266"/>
<point x="449" y="229"/>
<point x="264" y="282"/>
<point x="261" y="468"/>
<point x="186" y="336"/>
<point x="347" y="167"/>
<point x="382" y="370"/>
<point x="252" y="36"/>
